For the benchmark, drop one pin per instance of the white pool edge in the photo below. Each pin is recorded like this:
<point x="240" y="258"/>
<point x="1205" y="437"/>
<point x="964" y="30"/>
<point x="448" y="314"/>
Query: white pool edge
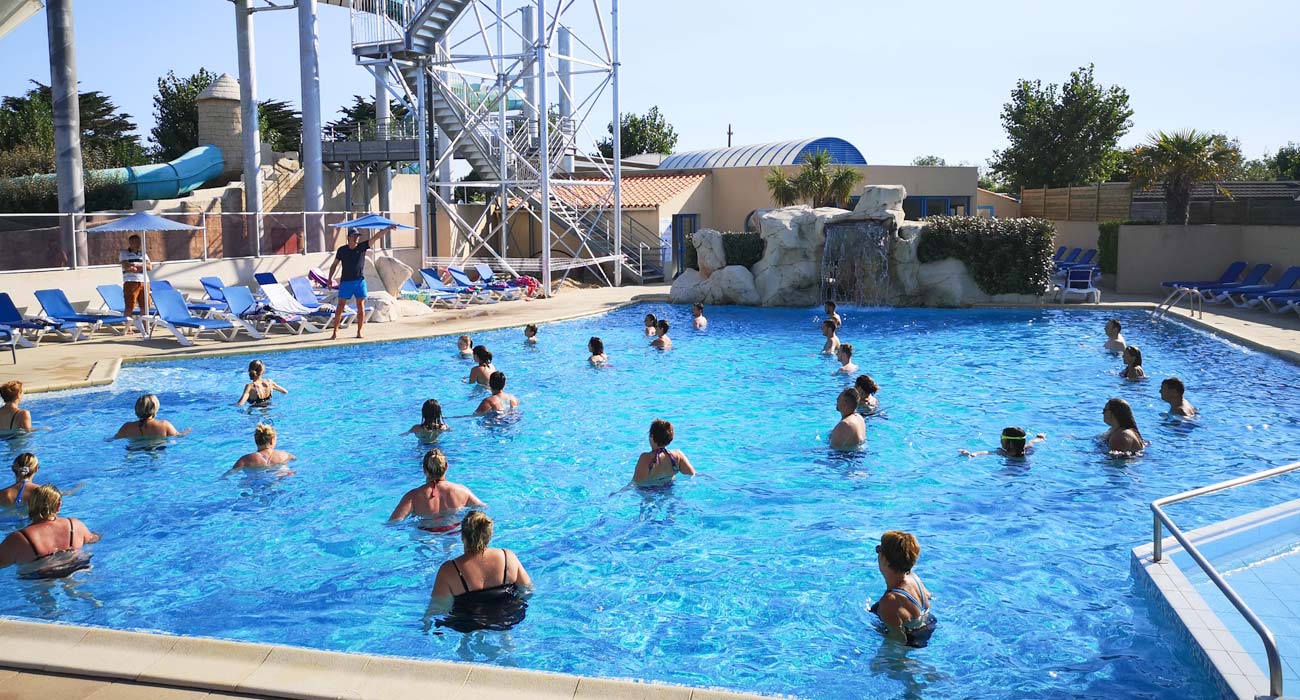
<point x="295" y="672"/>
<point x="1231" y="667"/>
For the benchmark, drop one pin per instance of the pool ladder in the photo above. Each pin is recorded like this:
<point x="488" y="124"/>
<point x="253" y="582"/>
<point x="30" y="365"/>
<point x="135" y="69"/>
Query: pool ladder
<point x="1162" y="518"/>
<point x="1195" y="303"/>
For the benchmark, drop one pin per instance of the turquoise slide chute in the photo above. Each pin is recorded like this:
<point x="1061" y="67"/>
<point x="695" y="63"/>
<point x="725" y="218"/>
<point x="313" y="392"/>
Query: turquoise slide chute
<point x="160" y="180"/>
<point x="172" y="179"/>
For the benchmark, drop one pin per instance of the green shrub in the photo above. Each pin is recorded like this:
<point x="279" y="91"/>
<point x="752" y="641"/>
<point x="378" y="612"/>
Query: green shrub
<point x="1005" y="256"/>
<point x="1108" y="246"/>
<point x="40" y="194"/>
<point x="740" y="248"/>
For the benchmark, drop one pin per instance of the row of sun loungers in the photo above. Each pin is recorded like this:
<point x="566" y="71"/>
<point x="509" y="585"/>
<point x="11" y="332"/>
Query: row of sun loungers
<point x="1244" y="288"/>
<point x="228" y="310"/>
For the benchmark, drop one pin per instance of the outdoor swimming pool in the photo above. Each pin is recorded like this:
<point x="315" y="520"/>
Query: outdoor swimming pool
<point x="755" y="575"/>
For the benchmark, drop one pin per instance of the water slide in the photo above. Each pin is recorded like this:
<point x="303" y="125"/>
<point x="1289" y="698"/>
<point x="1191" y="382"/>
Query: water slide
<point x="163" y="180"/>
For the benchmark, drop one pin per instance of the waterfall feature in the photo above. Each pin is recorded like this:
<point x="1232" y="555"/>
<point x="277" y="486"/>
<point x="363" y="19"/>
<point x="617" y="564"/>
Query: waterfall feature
<point x="855" y="263"/>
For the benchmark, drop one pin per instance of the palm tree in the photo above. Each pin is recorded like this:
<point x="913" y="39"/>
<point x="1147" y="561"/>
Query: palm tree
<point x="783" y="189"/>
<point x="818" y="183"/>
<point x="1179" y="160"/>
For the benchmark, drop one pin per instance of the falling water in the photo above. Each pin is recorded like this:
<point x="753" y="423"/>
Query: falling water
<point x="855" y="263"/>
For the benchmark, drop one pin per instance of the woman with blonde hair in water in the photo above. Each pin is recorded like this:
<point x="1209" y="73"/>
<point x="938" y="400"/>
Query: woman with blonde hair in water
<point x="484" y="588"/>
<point x="437" y="498"/>
<point x="148" y="425"/>
<point x="266" y="455"/>
<point x="25" y="467"/>
<point x="50" y="546"/>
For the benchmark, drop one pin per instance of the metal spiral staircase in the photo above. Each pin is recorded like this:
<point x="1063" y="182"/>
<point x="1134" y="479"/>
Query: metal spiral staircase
<point x="409" y="40"/>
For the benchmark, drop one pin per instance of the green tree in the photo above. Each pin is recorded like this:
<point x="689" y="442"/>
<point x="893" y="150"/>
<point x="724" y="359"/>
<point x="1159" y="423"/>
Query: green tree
<point x="819" y="183"/>
<point x="1287" y="162"/>
<point x="641" y="134"/>
<point x="1177" y="161"/>
<point x="359" y="117"/>
<point x="279" y="125"/>
<point x="930" y="161"/>
<point x="27" y="133"/>
<point x="1062" y="135"/>
<point x="176" y="117"/>
<point x="1256" y="169"/>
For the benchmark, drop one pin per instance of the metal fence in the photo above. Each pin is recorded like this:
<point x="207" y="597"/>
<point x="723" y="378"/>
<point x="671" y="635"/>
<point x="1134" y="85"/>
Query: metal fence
<point x="33" y="241"/>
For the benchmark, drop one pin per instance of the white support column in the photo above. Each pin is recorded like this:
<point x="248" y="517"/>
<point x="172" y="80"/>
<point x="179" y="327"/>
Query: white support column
<point x="248" y="111"/>
<point x="67" y="129"/>
<point x="544" y="155"/>
<point x="384" y="124"/>
<point x="618" y="151"/>
<point x="422" y="128"/>
<point x="566" y="100"/>
<point x="313" y="194"/>
<point x="503" y="164"/>
<point x="530" y="76"/>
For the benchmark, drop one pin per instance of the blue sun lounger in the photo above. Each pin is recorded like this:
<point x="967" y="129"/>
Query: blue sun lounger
<point x="1243" y="297"/>
<point x="11" y="317"/>
<point x="175" y="316"/>
<point x="1230" y="276"/>
<point x="56" y="305"/>
<point x="1074" y="255"/>
<point x="9" y="338"/>
<point x="305" y="295"/>
<point x="455" y="297"/>
<point x="1210" y="291"/>
<point x="242" y="310"/>
<point x="195" y="306"/>
<point x="1060" y="253"/>
<point x="495" y="292"/>
<point x="1085" y="261"/>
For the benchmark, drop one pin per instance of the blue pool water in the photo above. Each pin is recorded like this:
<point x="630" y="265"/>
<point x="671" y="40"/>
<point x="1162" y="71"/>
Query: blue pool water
<point x="755" y="575"/>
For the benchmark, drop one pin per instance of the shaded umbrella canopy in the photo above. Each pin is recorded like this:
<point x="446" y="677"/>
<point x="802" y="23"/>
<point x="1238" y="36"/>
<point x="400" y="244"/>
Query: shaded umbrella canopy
<point x="372" y="221"/>
<point x="142" y="221"/>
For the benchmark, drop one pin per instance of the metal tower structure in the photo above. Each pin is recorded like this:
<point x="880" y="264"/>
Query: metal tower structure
<point x="510" y="92"/>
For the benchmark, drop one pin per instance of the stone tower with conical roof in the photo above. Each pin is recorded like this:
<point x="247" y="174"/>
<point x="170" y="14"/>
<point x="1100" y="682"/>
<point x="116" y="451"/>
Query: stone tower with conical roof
<point x="220" y="123"/>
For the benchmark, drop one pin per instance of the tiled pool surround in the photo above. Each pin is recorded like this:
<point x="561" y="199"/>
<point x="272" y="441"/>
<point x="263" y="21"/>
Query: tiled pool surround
<point x="1216" y="631"/>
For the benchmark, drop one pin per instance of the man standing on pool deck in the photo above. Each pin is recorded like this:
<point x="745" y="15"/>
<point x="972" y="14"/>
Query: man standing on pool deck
<point x="352" y="283"/>
<point x="134" y="264"/>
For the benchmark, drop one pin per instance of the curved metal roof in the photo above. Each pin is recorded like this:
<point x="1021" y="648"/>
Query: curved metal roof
<point x="778" y="153"/>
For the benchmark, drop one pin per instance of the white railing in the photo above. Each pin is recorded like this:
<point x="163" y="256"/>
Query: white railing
<point x="1161" y="518"/>
<point x="33" y="242"/>
<point x="381" y="21"/>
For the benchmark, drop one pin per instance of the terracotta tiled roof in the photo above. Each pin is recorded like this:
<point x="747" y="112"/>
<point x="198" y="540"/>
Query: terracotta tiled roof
<point x="638" y="192"/>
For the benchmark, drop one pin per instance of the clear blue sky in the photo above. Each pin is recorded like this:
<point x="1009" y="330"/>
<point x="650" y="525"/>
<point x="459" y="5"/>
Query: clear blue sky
<point x="898" y="79"/>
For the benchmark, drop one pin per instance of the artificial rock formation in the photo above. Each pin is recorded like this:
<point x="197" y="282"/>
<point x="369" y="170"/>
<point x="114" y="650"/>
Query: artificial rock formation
<point x="710" y="253"/>
<point x="393" y="273"/>
<point x="789" y="274"/>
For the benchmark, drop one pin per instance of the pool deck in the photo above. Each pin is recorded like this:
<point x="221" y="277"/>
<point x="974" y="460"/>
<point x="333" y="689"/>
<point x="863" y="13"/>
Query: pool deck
<point x="39" y="660"/>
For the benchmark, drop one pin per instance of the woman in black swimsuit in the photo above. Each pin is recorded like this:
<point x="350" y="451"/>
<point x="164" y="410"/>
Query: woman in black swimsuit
<point x="483" y="588"/>
<point x="51" y="546"/>
<point x="13" y="420"/>
<point x="258" y="391"/>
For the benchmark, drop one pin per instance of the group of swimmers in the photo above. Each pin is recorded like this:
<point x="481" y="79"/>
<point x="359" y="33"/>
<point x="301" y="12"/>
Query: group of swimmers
<point x="485" y="587"/>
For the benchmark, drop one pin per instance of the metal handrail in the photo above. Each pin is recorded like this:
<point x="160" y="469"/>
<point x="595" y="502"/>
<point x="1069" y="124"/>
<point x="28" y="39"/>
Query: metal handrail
<point x="1160" y="517"/>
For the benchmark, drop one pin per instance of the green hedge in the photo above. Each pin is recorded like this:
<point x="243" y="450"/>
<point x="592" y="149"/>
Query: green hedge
<point x="740" y="247"/>
<point x="40" y="194"/>
<point x="1108" y="246"/>
<point x="1005" y="256"/>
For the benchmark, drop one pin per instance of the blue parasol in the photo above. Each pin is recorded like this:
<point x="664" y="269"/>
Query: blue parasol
<point x="372" y="221"/>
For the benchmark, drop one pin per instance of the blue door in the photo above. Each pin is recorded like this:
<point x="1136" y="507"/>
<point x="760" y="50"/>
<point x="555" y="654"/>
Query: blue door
<point x="683" y="226"/>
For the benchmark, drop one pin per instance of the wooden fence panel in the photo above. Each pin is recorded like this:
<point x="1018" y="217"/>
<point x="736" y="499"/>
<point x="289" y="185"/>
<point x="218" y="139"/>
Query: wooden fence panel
<point x="1083" y="203"/>
<point x="1057" y="206"/>
<point x="1116" y="202"/>
<point x="1031" y="203"/>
